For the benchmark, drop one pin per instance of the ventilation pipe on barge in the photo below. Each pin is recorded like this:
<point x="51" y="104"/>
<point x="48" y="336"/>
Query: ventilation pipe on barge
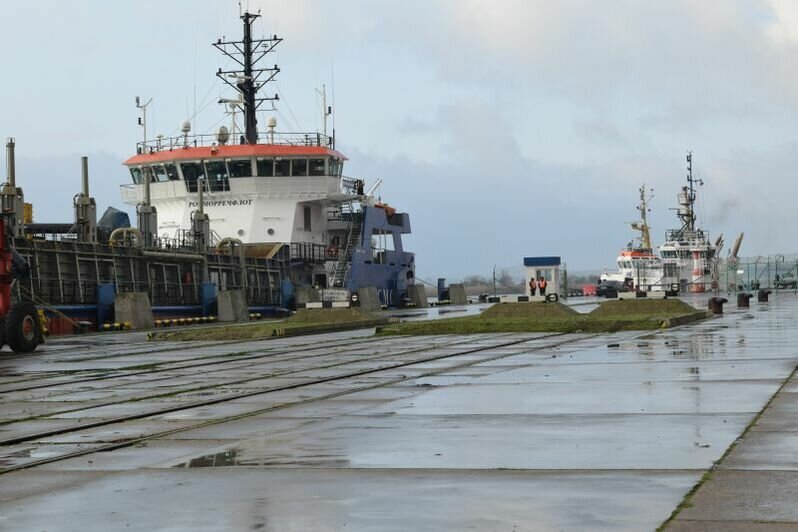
<point x="147" y="214"/>
<point x="85" y="208"/>
<point x="11" y="197"/>
<point x="200" y="222"/>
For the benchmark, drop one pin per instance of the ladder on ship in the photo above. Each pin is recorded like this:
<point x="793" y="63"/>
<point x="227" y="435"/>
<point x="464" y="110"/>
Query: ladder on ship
<point x="353" y="234"/>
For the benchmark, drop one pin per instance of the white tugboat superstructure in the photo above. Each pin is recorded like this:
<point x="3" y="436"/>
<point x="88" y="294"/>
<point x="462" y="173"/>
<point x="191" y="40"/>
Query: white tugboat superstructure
<point x="687" y="253"/>
<point x="638" y="267"/>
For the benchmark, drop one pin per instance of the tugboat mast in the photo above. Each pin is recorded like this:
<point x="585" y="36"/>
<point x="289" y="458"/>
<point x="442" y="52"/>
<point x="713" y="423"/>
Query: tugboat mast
<point x="247" y="53"/>
<point x="642" y="226"/>
<point x="687" y="198"/>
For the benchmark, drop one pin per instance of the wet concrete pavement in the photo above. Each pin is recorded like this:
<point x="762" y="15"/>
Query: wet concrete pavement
<point x="348" y="432"/>
<point x="755" y="486"/>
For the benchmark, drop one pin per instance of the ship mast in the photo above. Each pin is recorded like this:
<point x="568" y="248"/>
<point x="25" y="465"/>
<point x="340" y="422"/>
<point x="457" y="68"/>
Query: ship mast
<point x="687" y="197"/>
<point x="642" y="226"/>
<point x="247" y="53"/>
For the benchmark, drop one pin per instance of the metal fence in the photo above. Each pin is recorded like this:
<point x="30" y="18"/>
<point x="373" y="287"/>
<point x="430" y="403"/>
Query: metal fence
<point x="774" y="272"/>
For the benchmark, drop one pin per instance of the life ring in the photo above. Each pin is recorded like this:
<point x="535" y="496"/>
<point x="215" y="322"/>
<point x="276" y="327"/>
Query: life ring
<point x="332" y="251"/>
<point x="552" y="298"/>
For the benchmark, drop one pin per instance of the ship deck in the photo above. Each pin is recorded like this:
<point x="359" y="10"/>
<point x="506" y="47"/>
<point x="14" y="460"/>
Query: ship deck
<point x="348" y="431"/>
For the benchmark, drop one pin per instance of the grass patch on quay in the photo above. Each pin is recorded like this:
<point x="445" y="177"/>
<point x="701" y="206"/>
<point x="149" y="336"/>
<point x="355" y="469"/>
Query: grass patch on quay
<point x="305" y="321"/>
<point x="610" y="316"/>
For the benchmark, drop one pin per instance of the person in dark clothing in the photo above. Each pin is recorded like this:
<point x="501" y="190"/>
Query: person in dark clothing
<point x="532" y="286"/>
<point x="542" y="286"/>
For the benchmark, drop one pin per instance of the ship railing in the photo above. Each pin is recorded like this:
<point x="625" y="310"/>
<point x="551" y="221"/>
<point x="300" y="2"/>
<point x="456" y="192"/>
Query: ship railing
<point x="209" y="140"/>
<point x="352" y="185"/>
<point x="343" y="215"/>
<point x="310" y="252"/>
<point x="64" y="292"/>
<point x="695" y="236"/>
<point x="173" y="293"/>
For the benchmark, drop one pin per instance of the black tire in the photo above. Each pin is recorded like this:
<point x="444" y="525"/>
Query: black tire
<point x="23" y="331"/>
<point x="552" y="298"/>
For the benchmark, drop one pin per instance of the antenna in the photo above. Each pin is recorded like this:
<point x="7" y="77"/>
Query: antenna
<point x="232" y="105"/>
<point x="332" y="80"/>
<point x="326" y="111"/>
<point x="247" y="53"/>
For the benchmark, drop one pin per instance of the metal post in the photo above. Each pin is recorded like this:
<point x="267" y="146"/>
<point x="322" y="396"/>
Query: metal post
<point x="200" y="194"/>
<point x="147" y="179"/>
<point x="247" y="85"/>
<point x="84" y="163"/>
<point x="10" y="162"/>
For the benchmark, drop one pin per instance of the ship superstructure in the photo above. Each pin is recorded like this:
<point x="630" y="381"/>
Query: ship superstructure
<point x="687" y="253"/>
<point x="267" y="190"/>
<point x="638" y="267"/>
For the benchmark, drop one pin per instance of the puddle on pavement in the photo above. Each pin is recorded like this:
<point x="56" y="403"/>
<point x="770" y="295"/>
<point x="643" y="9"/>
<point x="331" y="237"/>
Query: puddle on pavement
<point x="238" y="457"/>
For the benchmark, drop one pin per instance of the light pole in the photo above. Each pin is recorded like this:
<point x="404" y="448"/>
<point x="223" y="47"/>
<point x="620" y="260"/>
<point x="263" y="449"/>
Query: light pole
<point x="143" y="117"/>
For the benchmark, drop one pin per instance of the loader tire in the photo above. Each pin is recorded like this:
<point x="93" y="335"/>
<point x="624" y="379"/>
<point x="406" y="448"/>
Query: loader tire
<point x="23" y="331"/>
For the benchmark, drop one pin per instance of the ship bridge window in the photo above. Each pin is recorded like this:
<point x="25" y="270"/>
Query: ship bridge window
<point x="282" y="167"/>
<point x="158" y="173"/>
<point x="171" y="172"/>
<point x="191" y="173"/>
<point x="266" y="167"/>
<point x="299" y="167"/>
<point x="217" y="176"/>
<point x="317" y="167"/>
<point x="135" y="173"/>
<point x="240" y="168"/>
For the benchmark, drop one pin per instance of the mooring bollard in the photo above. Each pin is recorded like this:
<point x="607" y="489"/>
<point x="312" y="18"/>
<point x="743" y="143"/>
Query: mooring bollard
<point x="715" y="304"/>
<point x="762" y="295"/>
<point x="743" y="299"/>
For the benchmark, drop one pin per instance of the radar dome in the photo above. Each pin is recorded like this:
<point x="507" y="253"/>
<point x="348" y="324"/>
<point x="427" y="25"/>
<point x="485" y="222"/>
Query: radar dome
<point x="223" y="136"/>
<point x="185" y="127"/>
<point x="272" y="122"/>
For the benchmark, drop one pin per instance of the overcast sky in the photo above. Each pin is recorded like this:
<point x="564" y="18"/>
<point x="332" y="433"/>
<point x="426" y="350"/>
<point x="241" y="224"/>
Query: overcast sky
<point x="507" y="128"/>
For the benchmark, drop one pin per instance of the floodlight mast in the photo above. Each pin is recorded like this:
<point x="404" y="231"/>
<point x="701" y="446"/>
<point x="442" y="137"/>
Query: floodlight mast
<point x="247" y="53"/>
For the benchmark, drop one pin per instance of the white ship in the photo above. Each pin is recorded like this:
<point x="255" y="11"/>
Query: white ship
<point x="639" y="268"/>
<point x="688" y="254"/>
<point x="264" y="190"/>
